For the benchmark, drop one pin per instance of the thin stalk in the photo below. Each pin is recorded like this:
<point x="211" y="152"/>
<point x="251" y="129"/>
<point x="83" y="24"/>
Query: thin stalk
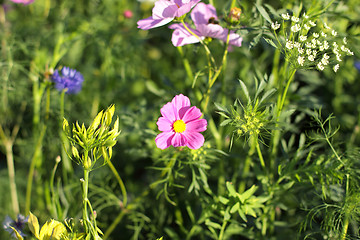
<point x="47" y="107"/>
<point x="283" y="97"/>
<point x="67" y="167"/>
<point x="246" y="167"/>
<point x="233" y="3"/>
<point x="222" y="230"/>
<point x="113" y="225"/>
<point x="217" y="72"/>
<point x="346" y="218"/>
<point x="85" y="183"/>
<point x="34" y="159"/>
<point x="207" y="50"/>
<point x="53" y="203"/>
<point x="345" y="227"/>
<point x="259" y="153"/>
<point x="11" y="172"/>
<point x="186" y="63"/>
<point x="121" y="183"/>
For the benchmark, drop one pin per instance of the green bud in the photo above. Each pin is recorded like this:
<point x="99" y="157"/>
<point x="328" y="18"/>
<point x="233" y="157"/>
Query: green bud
<point x="109" y="113"/>
<point x="75" y="152"/>
<point x="94" y="125"/>
<point x="66" y="127"/>
<point x="87" y="163"/>
<point x="104" y="154"/>
<point x="234" y="16"/>
<point x="110" y="143"/>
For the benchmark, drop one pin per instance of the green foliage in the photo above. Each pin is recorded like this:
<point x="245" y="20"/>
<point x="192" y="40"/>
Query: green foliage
<point x="281" y="148"/>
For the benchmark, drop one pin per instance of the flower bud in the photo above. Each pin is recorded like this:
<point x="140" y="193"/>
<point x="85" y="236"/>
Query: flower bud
<point x="234" y="16"/>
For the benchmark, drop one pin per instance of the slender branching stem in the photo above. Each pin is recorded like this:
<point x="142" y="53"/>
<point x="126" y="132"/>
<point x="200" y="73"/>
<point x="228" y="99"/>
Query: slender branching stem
<point x="225" y="221"/>
<point x="34" y="159"/>
<point x="207" y="50"/>
<point x="258" y="150"/>
<point x="11" y="172"/>
<point x="186" y="63"/>
<point x="120" y="181"/>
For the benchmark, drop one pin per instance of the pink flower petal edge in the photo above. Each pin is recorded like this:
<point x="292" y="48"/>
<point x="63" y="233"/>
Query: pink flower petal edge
<point x="165" y="11"/>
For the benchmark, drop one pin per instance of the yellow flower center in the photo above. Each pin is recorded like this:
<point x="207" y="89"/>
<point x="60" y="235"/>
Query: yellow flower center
<point x="179" y="126"/>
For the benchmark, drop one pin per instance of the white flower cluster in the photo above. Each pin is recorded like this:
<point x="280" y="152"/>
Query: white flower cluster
<point x="309" y="44"/>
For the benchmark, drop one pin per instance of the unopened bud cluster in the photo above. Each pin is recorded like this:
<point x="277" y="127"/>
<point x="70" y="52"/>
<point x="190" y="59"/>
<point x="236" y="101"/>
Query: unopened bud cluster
<point x="200" y="154"/>
<point x="251" y="123"/>
<point x="89" y="144"/>
<point x="308" y="44"/>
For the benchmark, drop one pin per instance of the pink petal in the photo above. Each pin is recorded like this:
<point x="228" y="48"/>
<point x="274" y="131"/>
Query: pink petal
<point x="198" y="125"/>
<point x="184" y="6"/>
<point x="164" y="124"/>
<point x="202" y="13"/>
<point x="235" y="39"/>
<point x="194" y="139"/>
<point x="163" y="140"/>
<point x="181" y="103"/>
<point x="211" y="30"/>
<point x="149" y="22"/>
<point x="25" y="2"/>
<point x="191" y="114"/>
<point x="178" y="140"/>
<point x="170" y="112"/>
<point x="164" y="9"/>
<point x="181" y="36"/>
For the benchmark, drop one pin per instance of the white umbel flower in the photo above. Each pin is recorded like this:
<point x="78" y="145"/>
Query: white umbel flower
<point x="301" y="60"/>
<point x="275" y="25"/>
<point x="285" y="16"/>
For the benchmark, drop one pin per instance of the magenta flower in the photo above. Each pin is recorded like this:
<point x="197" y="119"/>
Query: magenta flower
<point x="206" y="23"/>
<point x="25" y="2"/>
<point x="180" y="124"/>
<point x="165" y="11"/>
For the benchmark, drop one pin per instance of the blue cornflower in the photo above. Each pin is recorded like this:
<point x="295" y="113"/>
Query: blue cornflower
<point x="18" y="224"/>
<point x="69" y="79"/>
<point x="357" y="65"/>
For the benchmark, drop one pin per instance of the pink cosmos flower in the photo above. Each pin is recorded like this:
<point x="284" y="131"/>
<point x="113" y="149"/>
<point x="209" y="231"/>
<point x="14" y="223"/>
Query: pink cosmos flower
<point x="165" y="11"/>
<point x="25" y="2"/>
<point x="180" y="124"/>
<point x="206" y="23"/>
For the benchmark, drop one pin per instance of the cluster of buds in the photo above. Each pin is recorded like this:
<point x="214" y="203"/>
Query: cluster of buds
<point x="308" y="44"/>
<point x="250" y="124"/>
<point x="96" y="141"/>
<point x="199" y="155"/>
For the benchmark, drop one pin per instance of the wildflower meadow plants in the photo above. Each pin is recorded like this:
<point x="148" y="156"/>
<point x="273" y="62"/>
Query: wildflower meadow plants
<point x="180" y="119"/>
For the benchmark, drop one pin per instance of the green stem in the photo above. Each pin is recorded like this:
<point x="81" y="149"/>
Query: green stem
<point x="207" y="50"/>
<point x="66" y="162"/>
<point x="246" y="167"/>
<point x="217" y="73"/>
<point x="345" y="227"/>
<point x="85" y="183"/>
<point x="53" y="200"/>
<point x="225" y="221"/>
<point x="186" y="64"/>
<point x="121" y="183"/>
<point x="34" y="159"/>
<point x="280" y="108"/>
<point x="259" y="153"/>
<point x="11" y="171"/>
<point x="233" y="3"/>
<point x="113" y="225"/>
<point x="346" y="218"/>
